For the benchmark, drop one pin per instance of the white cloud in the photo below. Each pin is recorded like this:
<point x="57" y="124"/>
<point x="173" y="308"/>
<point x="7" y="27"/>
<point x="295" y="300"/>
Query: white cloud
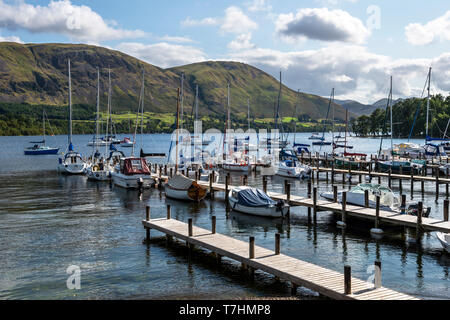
<point x="321" y="24"/>
<point x="62" y="17"/>
<point x="422" y="34"/>
<point x="188" y="22"/>
<point x="259" y="5"/>
<point x="334" y="2"/>
<point x="10" y="39"/>
<point x="163" y="54"/>
<point x="234" y="21"/>
<point x="167" y="38"/>
<point x="355" y="72"/>
<point x="242" y="42"/>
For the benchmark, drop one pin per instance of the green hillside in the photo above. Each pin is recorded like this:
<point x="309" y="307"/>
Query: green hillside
<point x="36" y="74"/>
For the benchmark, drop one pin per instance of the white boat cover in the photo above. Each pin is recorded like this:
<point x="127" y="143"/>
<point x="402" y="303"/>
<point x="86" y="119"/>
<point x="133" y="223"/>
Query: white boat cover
<point x="180" y="182"/>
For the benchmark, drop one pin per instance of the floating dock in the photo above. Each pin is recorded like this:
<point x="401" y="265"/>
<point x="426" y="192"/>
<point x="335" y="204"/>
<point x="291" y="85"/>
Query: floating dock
<point x="326" y="282"/>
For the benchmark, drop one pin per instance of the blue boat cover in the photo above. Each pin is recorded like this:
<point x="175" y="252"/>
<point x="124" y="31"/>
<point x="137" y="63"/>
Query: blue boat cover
<point x="254" y="198"/>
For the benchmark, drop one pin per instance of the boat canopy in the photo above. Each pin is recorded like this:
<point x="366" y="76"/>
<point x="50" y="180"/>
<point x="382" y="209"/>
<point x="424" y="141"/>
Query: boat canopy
<point x="180" y="182"/>
<point x="133" y="166"/>
<point x="252" y="197"/>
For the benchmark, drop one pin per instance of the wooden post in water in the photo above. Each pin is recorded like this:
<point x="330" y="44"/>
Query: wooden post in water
<point x="227" y="181"/>
<point x="390" y="178"/>
<point x="168" y="212"/>
<point x="403" y="207"/>
<point x="400" y="181"/>
<point x="211" y="189"/>
<point x="419" y="218"/>
<point x="412" y="183"/>
<point x="422" y="184"/>
<point x="213" y="224"/>
<point x="344" y="207"/>
<point x="335" y="194"/>
<point x="446" y="203"/>
<point x="190" y="228"/>
<point x="245" y="180"/>
<point x="377" y="274"/>
<point x="315" y="202"/>
<point x="437" y="183"/>
<point x="165" y="170"/>
<point x="377" y="213"/>
<point x="366" y="198"/>
<point x="265" y="184"/>
<point x="348" y="280"/>
<point x="171" y="172"/>
<point x="277" y="244"/>
<point x="147" y="218"/>
<point x="332" y="172"/>
<point x="252" y="248"/>
<point x="288" y="198"/>
<point x="446" y="184"/>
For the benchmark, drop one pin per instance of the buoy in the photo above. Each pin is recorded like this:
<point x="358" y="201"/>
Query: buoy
<point x="341" y="224"/>
<point x="376" y="231"/>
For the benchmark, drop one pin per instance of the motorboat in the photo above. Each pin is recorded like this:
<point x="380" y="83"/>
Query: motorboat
<point x="444" y="239"/>
<point x="293" y="169"/>
<point x="101" y="169"/>
<point x="71" y="163"/>
<point x="388" y="200"/>
<point x="315" y="136"/>
<point x="132" y="173"/>
<point x="255" y="202"/>
<point x="127" y="143"/>
<point x="405" y="166"/>
<point x="181" y="187"/>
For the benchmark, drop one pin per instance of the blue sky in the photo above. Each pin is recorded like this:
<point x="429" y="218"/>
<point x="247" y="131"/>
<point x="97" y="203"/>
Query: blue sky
<point x="351" y="45"/>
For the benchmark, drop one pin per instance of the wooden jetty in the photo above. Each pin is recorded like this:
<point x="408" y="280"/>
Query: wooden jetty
<point x="326" y="282"/>
<point x="378" y="216"/>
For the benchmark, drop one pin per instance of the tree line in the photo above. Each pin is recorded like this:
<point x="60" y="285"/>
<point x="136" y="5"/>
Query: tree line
<point x="408" y="117"/>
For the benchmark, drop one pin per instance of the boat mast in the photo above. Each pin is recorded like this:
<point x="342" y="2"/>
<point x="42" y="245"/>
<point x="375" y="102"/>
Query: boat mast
<point x="392" y="123"/>
<point x="346" y="128"/>
<point x="296" y="115"/>
<point x="332" y="104"/>
<point x="196" y="102"/>
<point x="108" y="117"/>
<point x="142" y="110"/>
<point x="178" y="126"/>
<point x="70" y="107"/>
<point x="228" y="117"/>
<point x="98" y="109"/>
<point x="428" y="100"/>
<point x="248" y="114"/>
<point x="43" y="120"/>
<point x="182" y="100"/>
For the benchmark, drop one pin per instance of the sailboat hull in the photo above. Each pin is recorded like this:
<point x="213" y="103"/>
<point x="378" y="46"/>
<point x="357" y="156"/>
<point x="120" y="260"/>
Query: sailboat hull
<point x="41" y="152"/>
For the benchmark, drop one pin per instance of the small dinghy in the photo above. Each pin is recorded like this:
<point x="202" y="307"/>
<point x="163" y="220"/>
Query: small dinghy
<point x="256" y="202"/>
<point x="444" y="239"/>
<point x="127" y="143"/>
<point x="388" y="200"/>
<point x="182" y="188"/>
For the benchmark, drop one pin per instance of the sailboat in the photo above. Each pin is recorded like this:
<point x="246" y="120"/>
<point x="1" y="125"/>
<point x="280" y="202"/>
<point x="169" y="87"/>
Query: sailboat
<point x="133" y="172"/>
<point x="179" y="186"/>
<point x="40" y="148"/>
<point x="322" y="141"/>
<point x="71" y="162"/>
<point x="239" y="162"/>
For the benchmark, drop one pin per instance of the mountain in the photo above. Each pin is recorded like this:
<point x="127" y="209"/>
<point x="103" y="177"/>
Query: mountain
<point x="37" y="74"/>
<point x="360" y="109"/>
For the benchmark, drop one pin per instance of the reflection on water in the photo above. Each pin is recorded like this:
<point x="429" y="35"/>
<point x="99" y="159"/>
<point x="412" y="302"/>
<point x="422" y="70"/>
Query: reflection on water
<point x="49" y="222"/>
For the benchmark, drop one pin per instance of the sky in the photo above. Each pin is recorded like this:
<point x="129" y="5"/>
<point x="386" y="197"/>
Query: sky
<point x="353" y="46"/>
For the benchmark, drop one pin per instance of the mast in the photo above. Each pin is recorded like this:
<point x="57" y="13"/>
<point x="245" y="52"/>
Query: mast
<point x="142" y="110"/>
<point x="392" y="122"/>
<point x="248" y="114"/>
<point x="182" y="100"/>
<point x="196" y="102"/>
<point x="332" y="99"/>
<point x="428" y="100"/>
<point x="178" y="126"/>
<point x="296" y="115"/>
<point x="98" y="109"/>
<point x="109" y="110"/>
<point x="43" y="120"/>
<point x="346" y="128"/>
<point x="70" y="107"/>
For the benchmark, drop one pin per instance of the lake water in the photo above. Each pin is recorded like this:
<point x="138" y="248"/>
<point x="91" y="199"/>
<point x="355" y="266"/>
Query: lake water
<point x="49" y="222"/>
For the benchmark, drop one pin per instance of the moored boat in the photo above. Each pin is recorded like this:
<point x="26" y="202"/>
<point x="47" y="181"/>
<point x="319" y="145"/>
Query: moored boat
<point x="293" y="169"/>
<point x="388" y="200"/>
<point x="444" y="239"/>
<point x="132" y="173"/>
<point x="256" y="202"/>
<point x="182" y="188"/>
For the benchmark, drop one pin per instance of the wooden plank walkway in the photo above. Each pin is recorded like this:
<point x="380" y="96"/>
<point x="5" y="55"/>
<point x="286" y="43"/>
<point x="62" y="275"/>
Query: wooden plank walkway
<point x="427" y="225"/>
<point x="300" y="273"/>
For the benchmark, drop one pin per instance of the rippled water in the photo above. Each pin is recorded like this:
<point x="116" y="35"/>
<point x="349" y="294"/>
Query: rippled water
<point x="49" y="222"/>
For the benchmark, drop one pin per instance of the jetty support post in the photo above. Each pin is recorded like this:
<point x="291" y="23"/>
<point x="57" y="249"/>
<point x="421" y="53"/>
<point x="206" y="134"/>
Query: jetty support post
<point x="437" y="183"/>
<point x="213" y="224"/>
<point x="446" y="206"/>
<point x="277" y="244"/>
<point x="400" y="181"/>
<point x="403" y="206"/>
<point x="348" y="280"/>
<point x="419" y="220"/>
<point x="288" y="198"/>
<point x="227" y="181"/>
<point x="147" y="218"/>
<point x="412" y="183"/>
<point x="315" y="203"/>
<point x="335" y="194"/>
<point x="265" y="184"/>
<point x="366" y="198"/>
<point x="378" y="274"/>
<point x="377" y="213"/>
<point x="344" y="208"/>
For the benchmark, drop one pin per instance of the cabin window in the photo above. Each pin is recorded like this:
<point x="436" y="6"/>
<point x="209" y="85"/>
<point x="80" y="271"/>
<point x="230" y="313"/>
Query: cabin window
<point x="136" y="164"/>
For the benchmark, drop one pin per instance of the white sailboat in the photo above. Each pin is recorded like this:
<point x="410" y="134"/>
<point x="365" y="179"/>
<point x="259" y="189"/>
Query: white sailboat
<point x="71" y="162"/>
<point x="133" y="172"/>
<point x="444" y="239"/>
